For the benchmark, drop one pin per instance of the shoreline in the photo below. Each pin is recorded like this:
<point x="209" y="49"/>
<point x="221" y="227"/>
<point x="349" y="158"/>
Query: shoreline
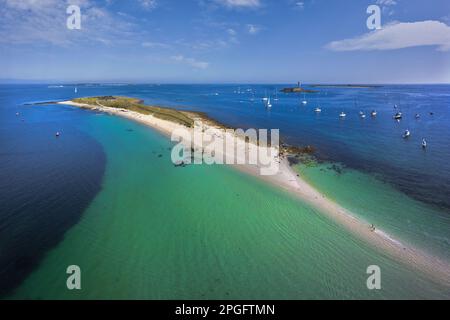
<point x="434" y="268"/>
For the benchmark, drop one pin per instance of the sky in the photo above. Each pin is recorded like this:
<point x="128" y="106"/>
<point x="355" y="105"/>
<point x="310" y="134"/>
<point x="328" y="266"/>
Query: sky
<point x="225" y="41"/>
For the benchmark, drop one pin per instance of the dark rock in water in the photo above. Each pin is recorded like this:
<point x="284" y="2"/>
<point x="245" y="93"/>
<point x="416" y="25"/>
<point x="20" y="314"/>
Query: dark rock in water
<point x="293" y="160"/>
<point x="160" y="155"/>
<point x="337" y="168"/>
<point x="130" y="130"/>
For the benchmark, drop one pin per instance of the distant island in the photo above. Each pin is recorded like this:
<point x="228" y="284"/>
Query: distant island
<point x="345" y="86"/>
<point x="297" y="90"/>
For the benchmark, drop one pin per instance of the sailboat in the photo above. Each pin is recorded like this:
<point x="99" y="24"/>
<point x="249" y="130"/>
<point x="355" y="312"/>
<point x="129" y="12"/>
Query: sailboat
<point x="76" y="89"/>
<point x="276" y="95"/>
<point x="343" y="114"/>
<point x="318" y="110"/>
<point x="407" y="134"/>
<point x="424" y="143"/>
<point x="269" y="104"/>
<point x="265" y="97"/>
<point x="398" y="116"/>
<point x="304" y="102"/>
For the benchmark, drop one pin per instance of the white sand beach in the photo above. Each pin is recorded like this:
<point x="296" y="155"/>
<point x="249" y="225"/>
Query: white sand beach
<point x="433" y="267"/>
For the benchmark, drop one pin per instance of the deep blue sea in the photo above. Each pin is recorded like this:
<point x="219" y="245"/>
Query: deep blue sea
<point x="371" y="144"/>
<point x="42" y="176"/>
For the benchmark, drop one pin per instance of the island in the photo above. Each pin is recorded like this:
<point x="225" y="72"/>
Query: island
<point x="166" y="120"/>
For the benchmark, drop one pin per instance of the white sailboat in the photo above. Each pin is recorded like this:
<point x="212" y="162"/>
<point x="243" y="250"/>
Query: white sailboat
<point x="424" y="143"/>
<point x="407" y="134"/>
<point x="269" y="104"/>
<point x="76" y="89"/>
<point x="265" y="97"/>
<point x="304" y="102"/>
<point x="398" y="116"/>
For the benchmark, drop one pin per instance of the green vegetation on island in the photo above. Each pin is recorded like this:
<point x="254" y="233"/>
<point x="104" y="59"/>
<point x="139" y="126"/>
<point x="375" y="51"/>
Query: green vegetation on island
<point x="185" y="118"/>
<point x="297" y="90"/>
<point x="137" y="105"/>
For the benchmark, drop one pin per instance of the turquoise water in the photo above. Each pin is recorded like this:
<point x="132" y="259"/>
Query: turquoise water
<point x="379" y="203"/>
<point x="160" y="232"/>
<point x="106" y="197"/>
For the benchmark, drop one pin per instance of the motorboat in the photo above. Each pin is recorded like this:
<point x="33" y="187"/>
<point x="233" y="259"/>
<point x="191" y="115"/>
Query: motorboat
<point x="398" y="116"/>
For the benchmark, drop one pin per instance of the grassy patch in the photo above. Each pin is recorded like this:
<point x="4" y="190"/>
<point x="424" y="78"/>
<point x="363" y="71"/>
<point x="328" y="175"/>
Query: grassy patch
<point x="136" y="105"/>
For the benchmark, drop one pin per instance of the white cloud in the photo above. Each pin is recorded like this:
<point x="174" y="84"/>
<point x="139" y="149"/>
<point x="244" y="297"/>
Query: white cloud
<point x="387" y="6"/>
<point x="240" y="3"/>
<point x="253" y="29"/>
<point x="399" y="36"/>
<point x="149" y="44"/>
<point x="32" y="5"/>
<point x="231" y="32"/>
<point x="149" y="4"/>
<point x="386" y="2"/>
<point x="43" y="22"/>
<point x="191" y="61"/>
<point x="300" y="5"/>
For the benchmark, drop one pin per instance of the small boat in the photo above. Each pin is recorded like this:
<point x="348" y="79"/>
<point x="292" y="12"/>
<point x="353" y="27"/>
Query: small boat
<point x="373" y="113"/>
<point x="424" y="143"/>
<point x="361" y="113"/>
<point x="417" y="116"/>
<point x="398" y="116"/>
<point x="57" y="134"/>
<point x="17" y="114"/>
<point x="269" y="104"/>
<point x="343" y="114"/>
<point x="318" y="110"/>
<point x="76" y="89"/>
<point x="407" y="134"/>
<point x="304" y="102"/>
<point x="276" y="95"/>
<point x="363" y="116"/>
